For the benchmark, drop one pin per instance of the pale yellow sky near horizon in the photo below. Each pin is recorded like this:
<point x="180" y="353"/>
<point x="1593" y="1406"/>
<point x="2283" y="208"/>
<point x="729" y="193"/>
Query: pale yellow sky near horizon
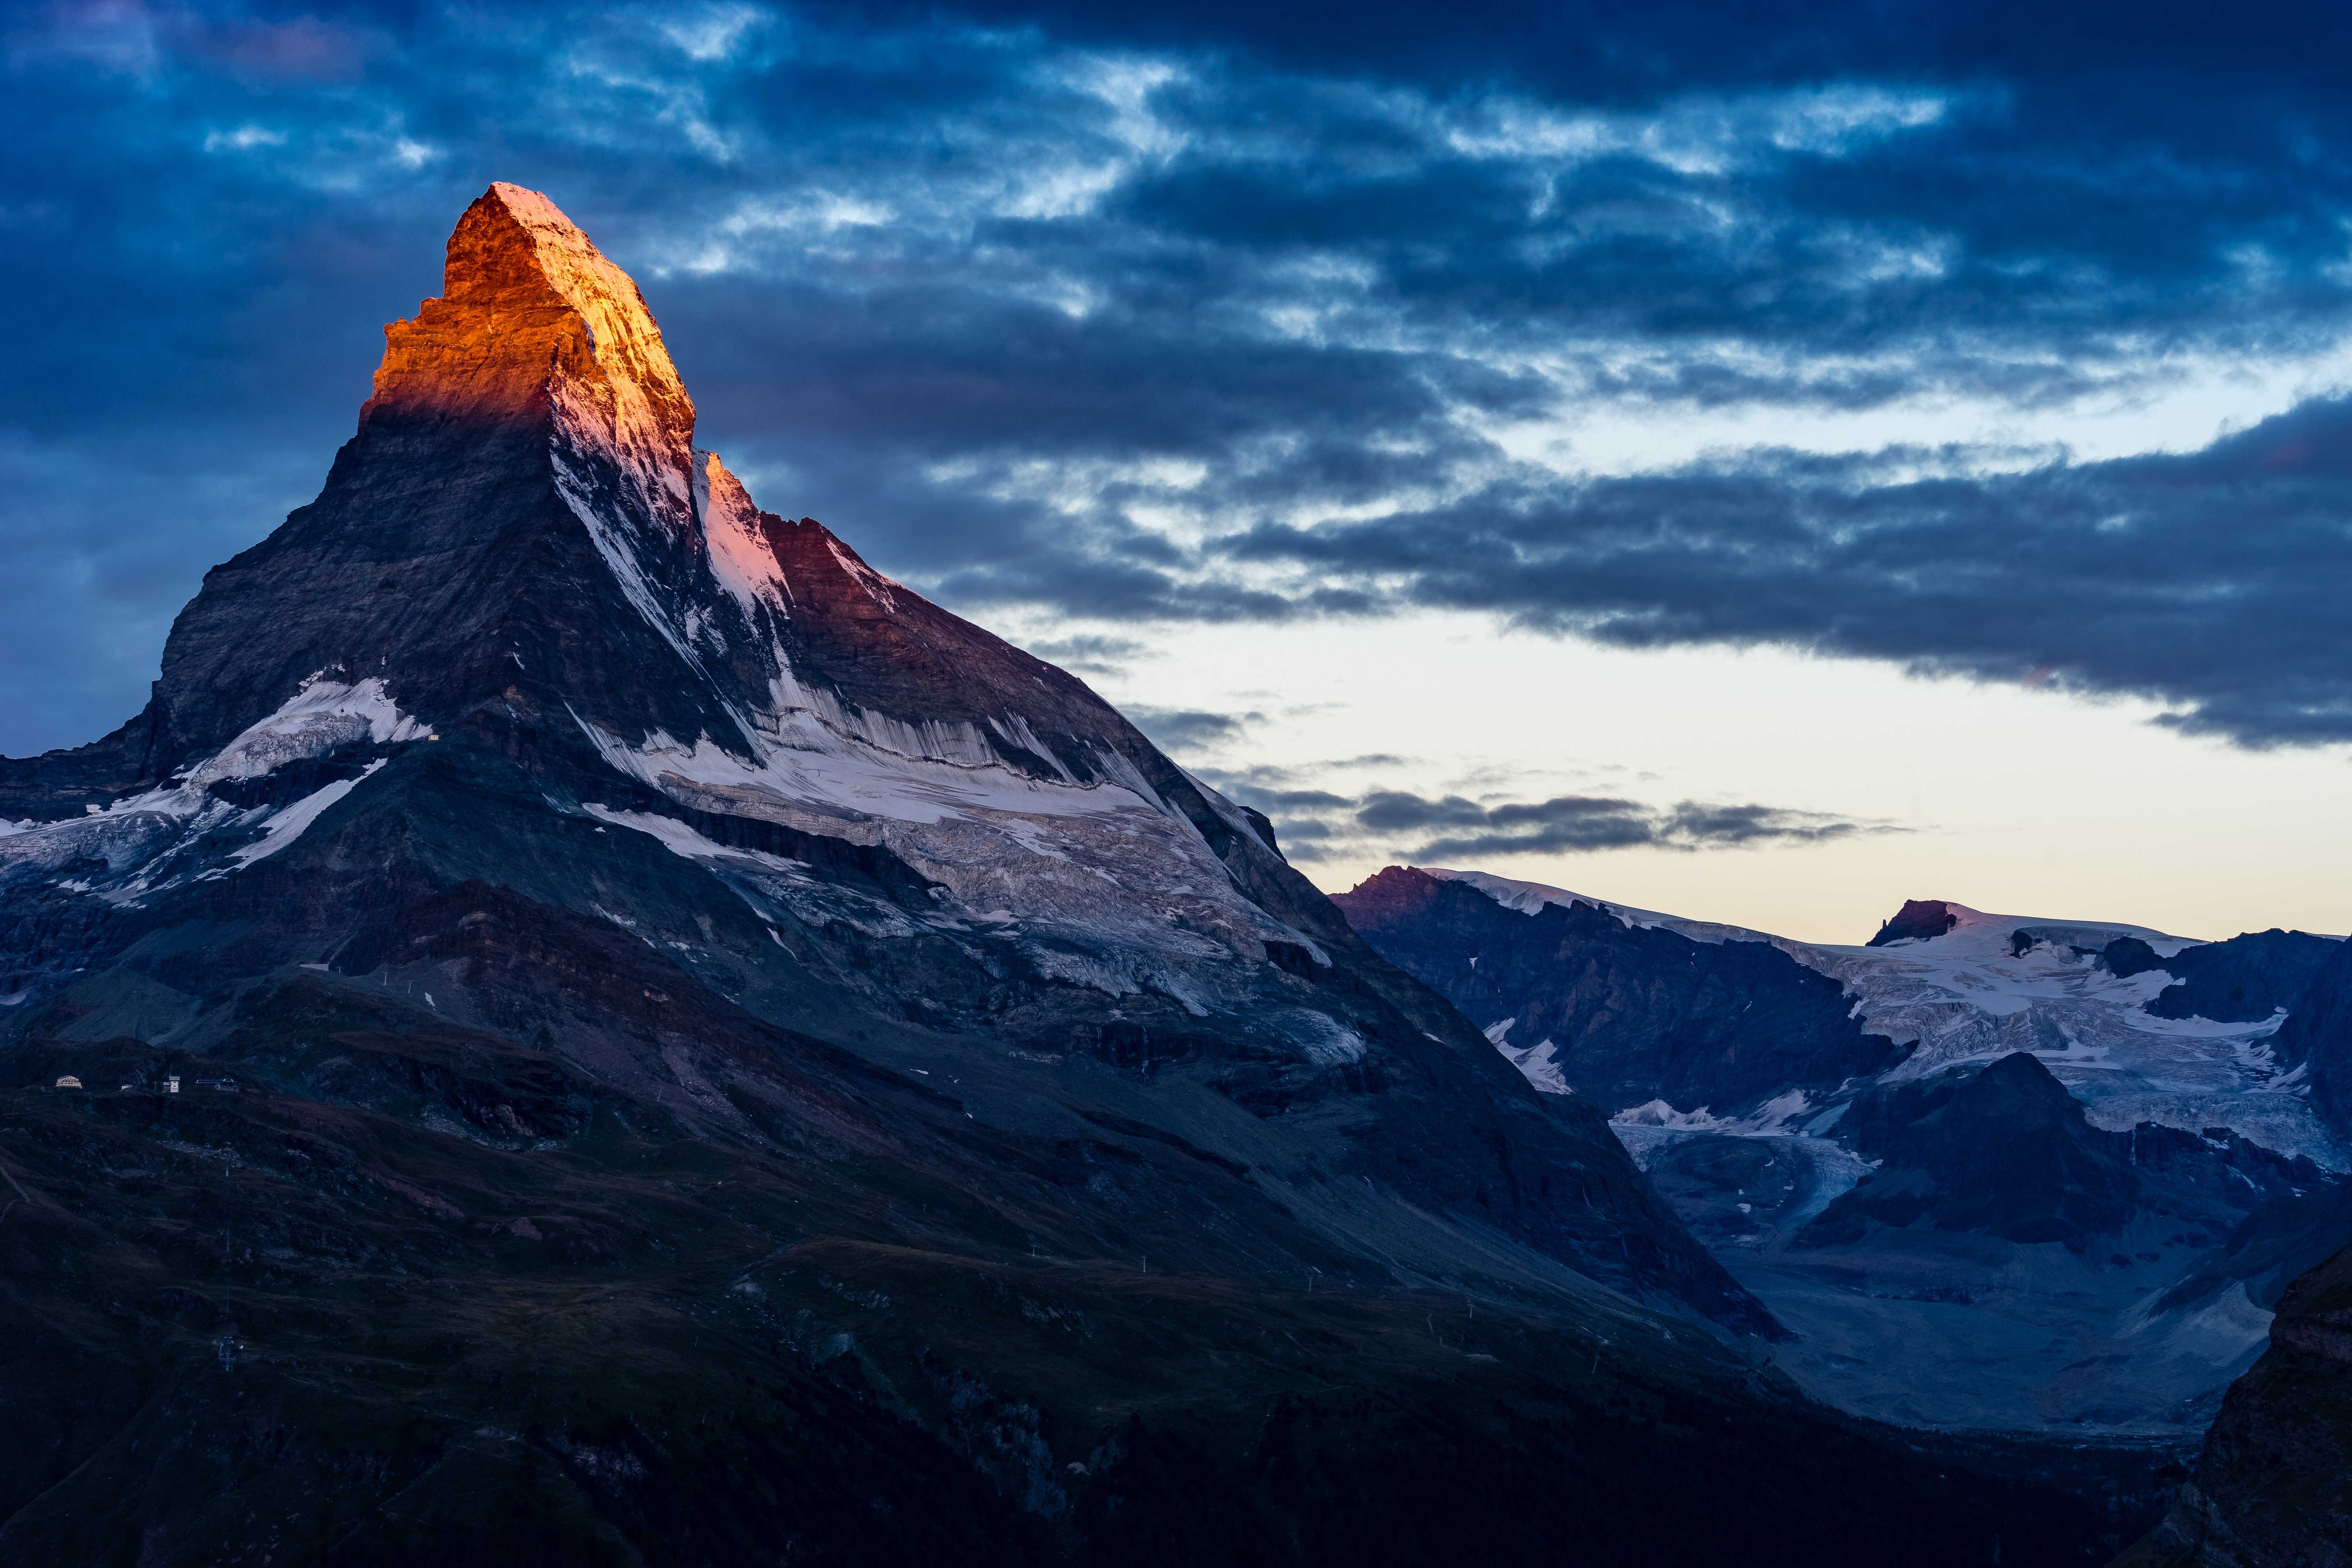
<point x="2013" y="801"/>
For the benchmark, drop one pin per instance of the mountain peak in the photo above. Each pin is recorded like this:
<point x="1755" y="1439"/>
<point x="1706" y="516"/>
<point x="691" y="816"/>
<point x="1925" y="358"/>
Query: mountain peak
<point x="1918" y="918"/>
<point x="534" y="317"/>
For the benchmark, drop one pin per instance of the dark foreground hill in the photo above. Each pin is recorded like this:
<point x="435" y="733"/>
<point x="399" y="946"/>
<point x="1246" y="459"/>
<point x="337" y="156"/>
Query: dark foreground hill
<point x="687" y="1054"/>
<point x="266" y="1325"/>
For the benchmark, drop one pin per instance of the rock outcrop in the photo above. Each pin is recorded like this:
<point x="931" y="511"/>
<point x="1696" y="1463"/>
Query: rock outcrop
<point x="1917" y="919"/>
<point x="2244" y="980"/>
<point x="2318" y="1036"/>
<point x="2274" y="1486"/>
<point x="2004" y="1150"/>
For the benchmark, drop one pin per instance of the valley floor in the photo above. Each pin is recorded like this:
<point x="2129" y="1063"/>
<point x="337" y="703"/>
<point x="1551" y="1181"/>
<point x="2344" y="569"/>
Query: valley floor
<point x="1956" y="1331"/>
<point x="1906" y="1347"/>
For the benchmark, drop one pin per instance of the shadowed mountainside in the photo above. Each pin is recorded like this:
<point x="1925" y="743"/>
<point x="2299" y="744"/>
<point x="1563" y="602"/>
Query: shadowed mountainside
<point x="1631" y="1013"/>
<point x="2067" y="1204"/>
<point x="2242" y="979"/>
<point x="2004" y="1150"/>
<point x="419" y="1293"/>
<point x="2274" y="1486"/>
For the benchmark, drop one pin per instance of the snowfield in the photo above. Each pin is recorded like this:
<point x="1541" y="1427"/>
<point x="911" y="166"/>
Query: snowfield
<point x="184" y="831"/>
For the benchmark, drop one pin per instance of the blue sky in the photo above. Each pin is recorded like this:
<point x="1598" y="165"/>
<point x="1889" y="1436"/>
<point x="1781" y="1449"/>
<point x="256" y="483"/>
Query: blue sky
<point x="2003" y="351"/>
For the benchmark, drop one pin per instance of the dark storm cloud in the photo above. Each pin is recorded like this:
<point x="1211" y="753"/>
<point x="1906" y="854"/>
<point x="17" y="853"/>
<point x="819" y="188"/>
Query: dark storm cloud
<point x="1632" y="54"/>
<point x="1563" y="825"/>
<point x="1090" y="653"/>
<point x="2209" y="582"/>
<point x="1096" y="311"/>
<point x="1574" y="824"/>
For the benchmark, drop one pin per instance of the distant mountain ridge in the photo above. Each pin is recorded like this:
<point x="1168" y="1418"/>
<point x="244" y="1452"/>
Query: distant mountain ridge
<point x="2003" y="1150"/>
<point x="1625" y="1013"/>
<point x="2244" y="980"/>
<point x="2108" y="1006"/>
<point x="1969" y="1130"/>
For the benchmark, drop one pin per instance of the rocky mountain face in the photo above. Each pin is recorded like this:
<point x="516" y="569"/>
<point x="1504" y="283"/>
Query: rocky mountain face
<point x="2317" y="1036"/>
<point x="529" y="636"/>
<point x="2004" y="1150"/>
<point x="2273" y="1488"/>
<point x="1919" y="919"/>
<point x="2066" y="1196"/>
<point x="584" y="1024"/>
<point x="1620" y="1013"/>
<point x="2241" y="981"/>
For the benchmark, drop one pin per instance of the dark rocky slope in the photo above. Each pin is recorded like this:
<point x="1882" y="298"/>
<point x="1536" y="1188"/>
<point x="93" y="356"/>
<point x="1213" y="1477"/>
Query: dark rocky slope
<point x="1917" y="919"/>
<point x="2272" y="1248"/>
<point x="2242" y="979"/>
<point x="2317" y="1035"/>
<point x="2273" y="1487"/>
<point x="1634" y="1014"/>
<point x="360" y="1313"/>
<point x="2003" y="1151"/>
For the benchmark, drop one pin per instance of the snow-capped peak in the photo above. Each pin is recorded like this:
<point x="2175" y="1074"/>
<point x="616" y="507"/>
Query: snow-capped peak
<point x="533" y="319"/>
<point x="1953" y="928"/>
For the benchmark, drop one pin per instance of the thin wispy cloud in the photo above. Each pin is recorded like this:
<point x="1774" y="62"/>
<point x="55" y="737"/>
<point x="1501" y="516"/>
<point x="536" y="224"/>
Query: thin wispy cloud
<point x="1326" y="821"/>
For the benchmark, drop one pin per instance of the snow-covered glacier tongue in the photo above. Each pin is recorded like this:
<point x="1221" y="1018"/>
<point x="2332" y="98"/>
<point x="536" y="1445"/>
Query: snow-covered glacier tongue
<point x="2087" y="998"/>
<point x="2144" y="1165"/>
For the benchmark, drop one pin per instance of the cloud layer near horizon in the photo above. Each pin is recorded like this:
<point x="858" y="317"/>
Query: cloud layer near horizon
<point x="1269" y="314"/>
<point x="1319" y="825"/>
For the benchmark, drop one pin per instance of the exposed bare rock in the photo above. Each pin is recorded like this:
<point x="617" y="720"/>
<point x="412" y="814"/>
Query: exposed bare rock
<point x="2273" y="1488"/>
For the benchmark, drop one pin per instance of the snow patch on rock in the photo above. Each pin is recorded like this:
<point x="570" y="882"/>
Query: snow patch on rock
<point x="1770" y="1118"/>
<point x="162" y="837"/>
<point x="321" y="717"/>
<point x="740" y="556"/>
<point x="288" y="823"/>
<point x="1539" y="1065"/>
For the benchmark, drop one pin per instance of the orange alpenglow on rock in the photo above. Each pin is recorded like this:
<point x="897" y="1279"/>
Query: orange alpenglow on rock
<point x="533" y="320"/>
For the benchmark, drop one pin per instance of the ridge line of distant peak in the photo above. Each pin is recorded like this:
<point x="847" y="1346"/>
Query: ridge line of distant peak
<point x="1527" y="895"/>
